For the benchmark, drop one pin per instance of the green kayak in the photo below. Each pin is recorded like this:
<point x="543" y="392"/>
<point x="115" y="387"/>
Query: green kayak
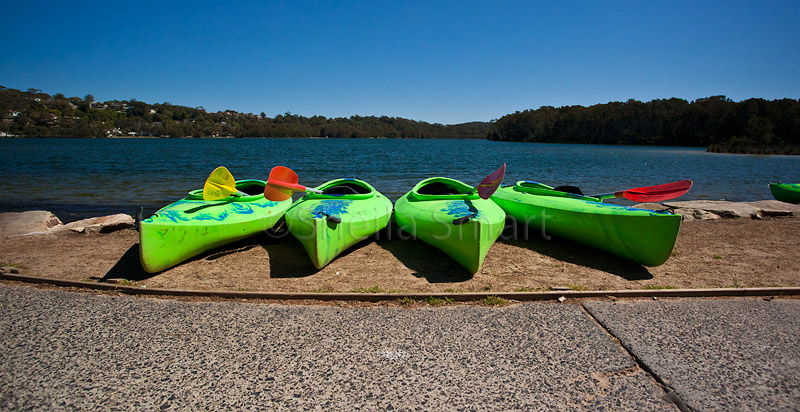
<point x="192" y="225"/>
<point x="644" y="236"/>
<point x="346" y="212"/>
<point x="786" y="192"/>
<point x="445" y="213"/>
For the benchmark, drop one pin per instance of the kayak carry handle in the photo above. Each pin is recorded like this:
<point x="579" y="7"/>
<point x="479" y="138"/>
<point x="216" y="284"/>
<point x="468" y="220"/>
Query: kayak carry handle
<point x="330" y="218"/>
<point x="464" y="219"/>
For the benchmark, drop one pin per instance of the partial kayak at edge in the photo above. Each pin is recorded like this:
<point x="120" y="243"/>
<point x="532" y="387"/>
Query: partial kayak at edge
<point x="786" y="192"/>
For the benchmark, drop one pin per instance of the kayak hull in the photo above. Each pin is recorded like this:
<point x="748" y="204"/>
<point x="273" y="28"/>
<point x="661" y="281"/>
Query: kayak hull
<point x="462" y="225"/>
<point x="786" y="192"/>
<point x="328" y="224"/>
<point x="191" y="226"/>
<point x="644" y="236"/>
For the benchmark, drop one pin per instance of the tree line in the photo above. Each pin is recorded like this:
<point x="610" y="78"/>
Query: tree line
<point x="718" y="123"/>
<point x="33" y="113"/>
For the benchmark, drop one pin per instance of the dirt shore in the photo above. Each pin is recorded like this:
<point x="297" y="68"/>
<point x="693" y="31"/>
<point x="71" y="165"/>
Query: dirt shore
<point x="715" y="253"/>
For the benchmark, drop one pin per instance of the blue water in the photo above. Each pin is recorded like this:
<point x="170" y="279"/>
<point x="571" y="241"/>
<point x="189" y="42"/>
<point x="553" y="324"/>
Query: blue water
<point x="89" y="176"/>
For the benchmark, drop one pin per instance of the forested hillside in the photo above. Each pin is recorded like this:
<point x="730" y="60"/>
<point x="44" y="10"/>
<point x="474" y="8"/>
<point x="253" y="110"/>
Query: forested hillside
<point x="32" y="113"/>
<point x="718" y="123"/>
<point x="750" y="126"/>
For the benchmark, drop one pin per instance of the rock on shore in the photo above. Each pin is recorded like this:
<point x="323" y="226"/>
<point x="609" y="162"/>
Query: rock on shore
<point x="44" y="222"/>
<point x="717" y="209"/>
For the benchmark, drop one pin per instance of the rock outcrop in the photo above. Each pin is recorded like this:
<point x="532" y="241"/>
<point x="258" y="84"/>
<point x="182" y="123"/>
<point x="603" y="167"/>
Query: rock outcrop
<point x="35" y="221"/>
<point x="102" y="224"/>
<point x="717" y="209"/>
<point x="43" y="222"/>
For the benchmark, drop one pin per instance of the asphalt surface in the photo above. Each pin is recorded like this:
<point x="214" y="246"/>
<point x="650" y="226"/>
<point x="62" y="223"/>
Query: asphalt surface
<point x="62" y="350"/>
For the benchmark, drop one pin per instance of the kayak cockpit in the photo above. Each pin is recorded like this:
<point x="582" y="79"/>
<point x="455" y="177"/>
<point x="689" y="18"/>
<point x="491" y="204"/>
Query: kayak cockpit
<point x="249" y="189"/>
<point x="442" y="188"/>
<point x="343" y="188"/>
<point x="347" y="188"/>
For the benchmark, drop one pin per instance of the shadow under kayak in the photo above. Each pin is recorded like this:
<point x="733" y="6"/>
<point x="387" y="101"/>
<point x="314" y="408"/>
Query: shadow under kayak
<point x="444" y="213"/>
<point x="192" y="225"/>
<point x="644" y="236"/>
<point x="346" y="212"/>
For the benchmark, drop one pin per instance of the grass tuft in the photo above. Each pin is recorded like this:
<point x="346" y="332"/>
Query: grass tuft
<point x="658" y="287"/>
<point x="494" y="301"/>
<point x="434" y="301"/>
<point x="528" y="290"/>
<point x="375" y="289"/>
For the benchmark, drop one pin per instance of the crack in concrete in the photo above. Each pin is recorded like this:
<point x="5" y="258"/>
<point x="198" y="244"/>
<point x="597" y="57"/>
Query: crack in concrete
<point x="669" y="392"/>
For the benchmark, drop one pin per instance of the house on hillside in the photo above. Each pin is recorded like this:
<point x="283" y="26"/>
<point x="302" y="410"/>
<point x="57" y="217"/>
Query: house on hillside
<point x="10" y="116"/>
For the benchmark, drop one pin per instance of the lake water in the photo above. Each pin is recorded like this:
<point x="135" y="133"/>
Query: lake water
<point x="75" y="178"/>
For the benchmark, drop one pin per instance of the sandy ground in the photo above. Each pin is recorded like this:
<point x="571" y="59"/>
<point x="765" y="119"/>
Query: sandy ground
<point x="721" y="253"/>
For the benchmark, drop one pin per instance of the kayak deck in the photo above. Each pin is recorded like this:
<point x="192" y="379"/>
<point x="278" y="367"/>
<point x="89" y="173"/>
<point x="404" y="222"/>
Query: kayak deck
<point x="447" y="214"/>
<point x="346" y="212"/>
<point x="191" y="226"/>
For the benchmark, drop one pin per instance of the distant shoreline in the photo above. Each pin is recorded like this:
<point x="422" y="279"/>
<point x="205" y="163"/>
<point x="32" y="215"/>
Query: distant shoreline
<point x="722" y="149"/>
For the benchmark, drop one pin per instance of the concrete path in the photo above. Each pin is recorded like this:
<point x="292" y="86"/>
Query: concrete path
<point x="716" y="354"/>
<point x="77" y="351"/>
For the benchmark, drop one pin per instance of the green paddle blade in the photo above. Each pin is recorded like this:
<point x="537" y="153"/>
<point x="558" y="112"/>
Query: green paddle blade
<point x="219" y="185"/>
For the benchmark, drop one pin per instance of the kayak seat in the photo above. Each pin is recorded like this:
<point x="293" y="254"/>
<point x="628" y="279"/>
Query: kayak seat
<point x="346" y="189"/>
<point x="569" y="189"/>
<point x="438" y="188"/>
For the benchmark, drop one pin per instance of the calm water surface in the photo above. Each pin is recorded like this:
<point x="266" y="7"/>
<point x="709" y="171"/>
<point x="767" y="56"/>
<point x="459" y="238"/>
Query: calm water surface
<point x="78" y="177"/>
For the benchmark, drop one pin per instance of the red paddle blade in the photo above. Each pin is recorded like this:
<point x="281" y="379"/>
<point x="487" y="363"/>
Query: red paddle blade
<point x="277" y="194"/>
<point x="282" y="182"/>
<point x="658" y="193"/>
<point x="286" y="178"/>
<point x="491" y="182"/>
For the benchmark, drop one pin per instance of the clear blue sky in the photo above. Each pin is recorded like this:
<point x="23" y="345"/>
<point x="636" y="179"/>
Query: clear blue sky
<point x="445" y="62"/>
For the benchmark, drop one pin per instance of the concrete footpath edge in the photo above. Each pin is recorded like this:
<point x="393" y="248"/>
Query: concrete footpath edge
<point x="377" y="297"/>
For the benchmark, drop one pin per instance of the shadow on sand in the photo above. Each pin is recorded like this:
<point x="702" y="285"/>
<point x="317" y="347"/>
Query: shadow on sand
<point x="519" y="235"/>
<point x="289" y="259"/>
<point x="424" y="260"/>
<point x="129" y="266"/>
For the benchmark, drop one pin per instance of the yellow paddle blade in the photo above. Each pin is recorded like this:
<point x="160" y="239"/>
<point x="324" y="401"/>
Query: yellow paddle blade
<point x="219" y="185"/>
